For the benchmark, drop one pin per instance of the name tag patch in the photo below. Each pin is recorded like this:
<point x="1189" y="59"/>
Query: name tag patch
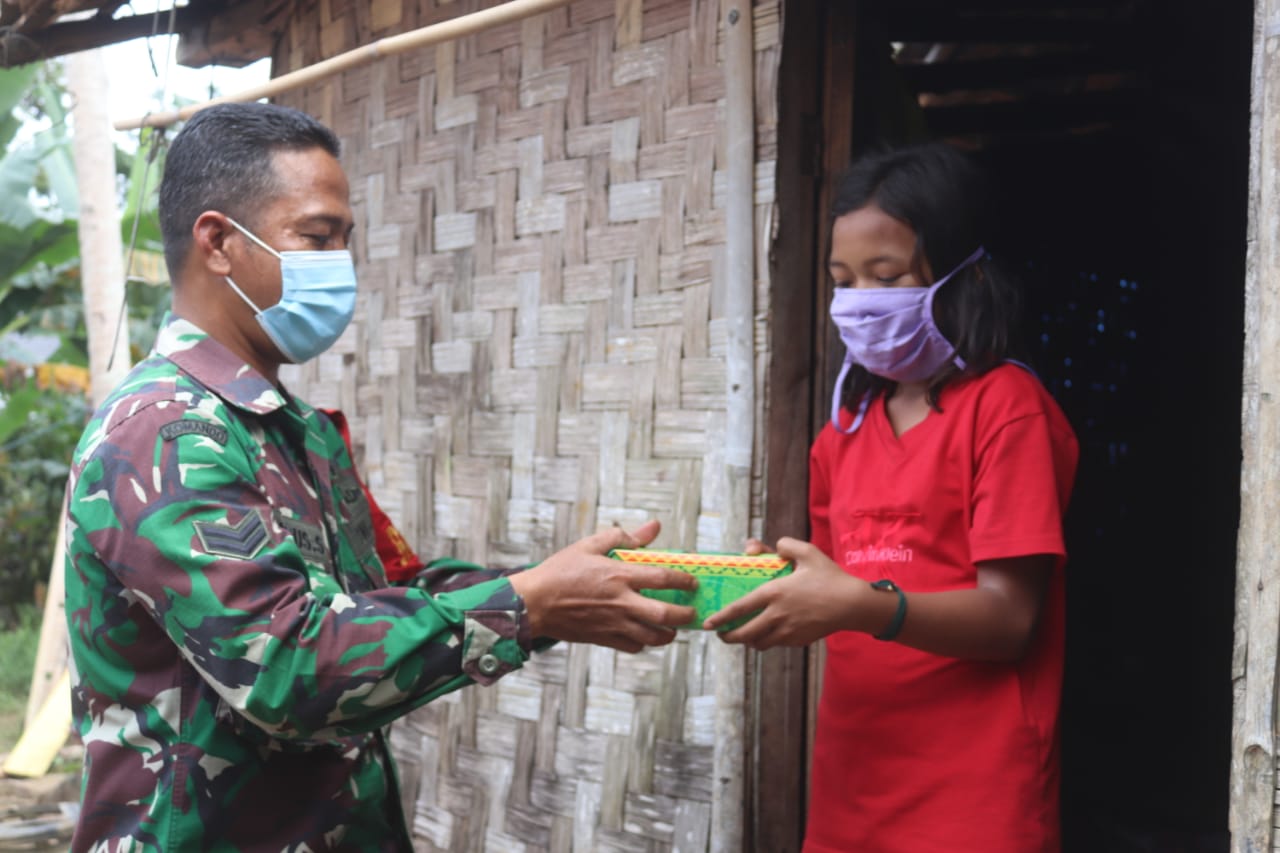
<point x="173" y="429"/>
<point x="309" y="538"/>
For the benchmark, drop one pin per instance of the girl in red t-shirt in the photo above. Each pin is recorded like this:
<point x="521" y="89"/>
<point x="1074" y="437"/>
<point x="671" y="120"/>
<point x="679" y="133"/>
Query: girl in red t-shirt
<point x="935" y="566"/>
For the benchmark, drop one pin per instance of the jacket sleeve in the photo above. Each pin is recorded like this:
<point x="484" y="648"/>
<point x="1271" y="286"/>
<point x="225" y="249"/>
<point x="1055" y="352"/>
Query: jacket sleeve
<point x="185" y="528"/>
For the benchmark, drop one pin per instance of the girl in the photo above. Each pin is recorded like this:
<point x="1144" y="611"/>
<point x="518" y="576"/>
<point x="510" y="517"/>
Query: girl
<point x="935" y="569"/>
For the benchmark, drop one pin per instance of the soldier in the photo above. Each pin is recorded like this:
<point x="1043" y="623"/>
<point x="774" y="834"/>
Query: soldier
<point x="236" y="647"/>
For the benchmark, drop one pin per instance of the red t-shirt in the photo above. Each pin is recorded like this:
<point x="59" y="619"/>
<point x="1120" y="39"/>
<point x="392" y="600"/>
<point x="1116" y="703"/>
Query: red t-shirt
<point x="915" y="752"/>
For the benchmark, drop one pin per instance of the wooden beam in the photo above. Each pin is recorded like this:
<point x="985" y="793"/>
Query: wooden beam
<point x="776" y="773"/>
<point x="1013" y="71"/>
<point x="1252" y="810"/>
<point x="954" y="24"/>
<point x="442" y="32"/>
<point x="237" y="35"/>
<point x="1052" y="112"/>
<point x="17" y="48"/>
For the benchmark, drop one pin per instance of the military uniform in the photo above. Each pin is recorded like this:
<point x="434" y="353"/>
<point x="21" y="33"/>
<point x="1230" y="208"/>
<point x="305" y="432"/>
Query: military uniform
<point x="236" y="648"/>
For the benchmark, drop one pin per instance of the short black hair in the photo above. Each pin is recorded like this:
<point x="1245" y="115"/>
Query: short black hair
<point x="946" y="198"/>
<point x="222" y="160"/>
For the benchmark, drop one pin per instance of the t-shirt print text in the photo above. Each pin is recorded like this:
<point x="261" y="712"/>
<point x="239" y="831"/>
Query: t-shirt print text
<point x="875" y="537"/>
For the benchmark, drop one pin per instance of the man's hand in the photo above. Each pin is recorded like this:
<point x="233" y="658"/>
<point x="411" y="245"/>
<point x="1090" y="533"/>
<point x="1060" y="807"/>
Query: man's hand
<point x="817" y="598"/>
<point x="582" y="596"/>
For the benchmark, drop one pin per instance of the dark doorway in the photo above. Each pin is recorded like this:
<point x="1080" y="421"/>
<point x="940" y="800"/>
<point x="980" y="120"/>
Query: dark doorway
<point x="1119" y="135"/>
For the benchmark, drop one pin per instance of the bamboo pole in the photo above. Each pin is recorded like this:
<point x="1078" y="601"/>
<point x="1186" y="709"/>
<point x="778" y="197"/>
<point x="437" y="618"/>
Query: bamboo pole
<point x="1253" y="793"/>
<point x="729" y="756"/>
<point x="51" y="648"/>
<point x="455" y="28"/>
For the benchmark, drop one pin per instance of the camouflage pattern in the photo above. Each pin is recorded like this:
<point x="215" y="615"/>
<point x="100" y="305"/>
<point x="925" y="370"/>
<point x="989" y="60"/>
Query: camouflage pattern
<point x="236" y="649"/>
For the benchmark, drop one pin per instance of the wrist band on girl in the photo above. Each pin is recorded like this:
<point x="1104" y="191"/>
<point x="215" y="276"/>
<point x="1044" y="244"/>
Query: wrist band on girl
<point x="899" y="616"/>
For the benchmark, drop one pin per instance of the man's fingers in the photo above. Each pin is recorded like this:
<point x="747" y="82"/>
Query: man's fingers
<point x="657" y="577"/>
<point x="604" y="541"/>
<point x="669" y="615"/>
<point x="644" y="534"/>
<point x="755" y="546"/>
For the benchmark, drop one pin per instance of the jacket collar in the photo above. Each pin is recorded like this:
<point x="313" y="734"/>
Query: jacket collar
<point x="216" y="367"/>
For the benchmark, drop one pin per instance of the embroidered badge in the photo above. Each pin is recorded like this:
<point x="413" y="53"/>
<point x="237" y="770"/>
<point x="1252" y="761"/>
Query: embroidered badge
<point x="240" y="541"/>
<point x="173" y="429"/>
<point x="356" y="512"/>
<point x="309" y="538"/>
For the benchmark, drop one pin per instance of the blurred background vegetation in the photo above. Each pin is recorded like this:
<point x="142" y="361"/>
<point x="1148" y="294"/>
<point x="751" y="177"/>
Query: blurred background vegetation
<point x="44" y="378"/>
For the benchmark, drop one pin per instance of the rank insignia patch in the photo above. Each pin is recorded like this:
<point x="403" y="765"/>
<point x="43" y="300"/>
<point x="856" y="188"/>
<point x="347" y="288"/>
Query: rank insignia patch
<point x="240" y="541"/>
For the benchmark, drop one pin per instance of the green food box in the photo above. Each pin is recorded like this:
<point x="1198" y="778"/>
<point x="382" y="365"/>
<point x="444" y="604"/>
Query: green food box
<point x="722" y="578"/>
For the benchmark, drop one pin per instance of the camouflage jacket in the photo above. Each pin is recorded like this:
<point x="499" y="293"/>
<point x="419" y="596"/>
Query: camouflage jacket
<point x="236" y="649"/>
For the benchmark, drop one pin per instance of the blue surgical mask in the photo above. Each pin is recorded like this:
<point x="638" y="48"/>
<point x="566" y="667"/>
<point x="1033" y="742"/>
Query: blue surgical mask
<point x="317" y="300"/>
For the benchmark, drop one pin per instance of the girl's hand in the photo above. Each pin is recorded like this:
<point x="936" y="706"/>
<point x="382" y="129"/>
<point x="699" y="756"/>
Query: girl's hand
<point x="816" y="599"/>
<point x="755" y="546"/>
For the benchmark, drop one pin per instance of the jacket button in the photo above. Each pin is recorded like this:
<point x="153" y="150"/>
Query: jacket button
<point x="488" y="664"/>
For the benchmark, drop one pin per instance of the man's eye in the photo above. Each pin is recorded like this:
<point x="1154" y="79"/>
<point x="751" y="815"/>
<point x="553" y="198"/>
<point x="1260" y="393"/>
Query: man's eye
<point x="316" y="239"/>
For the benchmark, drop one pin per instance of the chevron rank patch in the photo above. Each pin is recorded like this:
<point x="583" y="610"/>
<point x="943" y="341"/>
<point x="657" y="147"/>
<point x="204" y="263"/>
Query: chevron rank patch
<point x="240" y="541"/>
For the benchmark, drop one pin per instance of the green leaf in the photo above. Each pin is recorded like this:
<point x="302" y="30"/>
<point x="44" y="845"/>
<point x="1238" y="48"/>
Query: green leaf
<point x="14" y="83"/>
<point x="17" y="409"/>
<point x="60" y="171"/>
<point x="17" y="175"/>
<point x="54" y="243"/>
<point x="28" y="347"/>
<point x="142" y="197"/>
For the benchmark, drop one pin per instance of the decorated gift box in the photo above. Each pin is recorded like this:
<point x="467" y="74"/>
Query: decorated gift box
<point x="722" y="578"/>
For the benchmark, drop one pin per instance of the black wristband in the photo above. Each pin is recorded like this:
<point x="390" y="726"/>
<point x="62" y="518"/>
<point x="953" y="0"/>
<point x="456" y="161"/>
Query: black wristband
<point x="900" y="616"/>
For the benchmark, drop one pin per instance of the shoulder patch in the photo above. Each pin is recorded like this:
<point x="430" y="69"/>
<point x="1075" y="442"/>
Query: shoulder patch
<point x="173" y="429"/>
<point x="240" y="541"/>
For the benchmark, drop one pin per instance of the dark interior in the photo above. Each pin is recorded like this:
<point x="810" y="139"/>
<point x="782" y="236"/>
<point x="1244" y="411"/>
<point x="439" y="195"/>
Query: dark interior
<point x="1119" y="136"/>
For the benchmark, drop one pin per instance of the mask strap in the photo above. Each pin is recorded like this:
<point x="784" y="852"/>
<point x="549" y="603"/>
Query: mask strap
<point x="240" y="293"/>
<point x="254" y="237"/>
<point x="835" y="401"/>
<point x="928" y="299"/>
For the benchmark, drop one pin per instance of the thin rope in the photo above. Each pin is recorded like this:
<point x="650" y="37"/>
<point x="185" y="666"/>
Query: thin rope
<point x="153" y="140"/>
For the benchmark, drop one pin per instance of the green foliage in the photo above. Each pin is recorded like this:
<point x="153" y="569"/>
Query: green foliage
<point x="34" y="461"/>
<point x="19" y="641"/>
<point x="42" y="311"/>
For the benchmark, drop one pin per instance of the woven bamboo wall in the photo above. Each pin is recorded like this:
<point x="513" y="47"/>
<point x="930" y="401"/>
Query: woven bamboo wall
<point x="538" y="352"/>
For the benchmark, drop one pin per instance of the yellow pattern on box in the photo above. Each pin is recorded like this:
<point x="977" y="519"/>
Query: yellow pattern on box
<point x="722" y="578"/>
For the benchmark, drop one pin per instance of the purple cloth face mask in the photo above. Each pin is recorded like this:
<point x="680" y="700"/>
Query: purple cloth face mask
<point x="891" y="332"/>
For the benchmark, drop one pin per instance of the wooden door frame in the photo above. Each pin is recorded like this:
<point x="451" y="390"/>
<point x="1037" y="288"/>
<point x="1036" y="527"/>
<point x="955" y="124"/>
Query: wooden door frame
<point x="815" y="144"/>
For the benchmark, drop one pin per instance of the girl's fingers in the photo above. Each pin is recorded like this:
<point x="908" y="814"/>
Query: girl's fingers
<point x="749" y="603"/>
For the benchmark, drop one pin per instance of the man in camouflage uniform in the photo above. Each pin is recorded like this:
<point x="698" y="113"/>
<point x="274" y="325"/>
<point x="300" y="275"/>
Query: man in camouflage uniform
<point x="236" y="647"/>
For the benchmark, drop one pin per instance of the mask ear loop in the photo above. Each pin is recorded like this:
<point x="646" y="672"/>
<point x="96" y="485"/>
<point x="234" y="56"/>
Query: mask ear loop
<point x="241" y="294"/>
<point x="835" y="401"/>
<point x="977" y="255"/>
<point x="246" y="232"/>
<point x="254" y="237"/>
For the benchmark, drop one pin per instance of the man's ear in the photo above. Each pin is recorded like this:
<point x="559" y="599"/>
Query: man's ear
<point x="209" y="238"/>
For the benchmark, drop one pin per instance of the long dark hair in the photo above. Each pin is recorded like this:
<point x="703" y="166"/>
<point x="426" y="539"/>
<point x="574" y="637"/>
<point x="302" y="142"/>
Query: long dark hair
<point x="944" y="197"/>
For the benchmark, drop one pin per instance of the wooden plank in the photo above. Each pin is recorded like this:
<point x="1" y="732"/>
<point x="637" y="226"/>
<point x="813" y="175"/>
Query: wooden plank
<point x="815" y="92"/>
<point x="1253" y="810"/>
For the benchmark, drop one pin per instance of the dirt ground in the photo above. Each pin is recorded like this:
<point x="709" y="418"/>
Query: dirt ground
<point x="38" y="814"/>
